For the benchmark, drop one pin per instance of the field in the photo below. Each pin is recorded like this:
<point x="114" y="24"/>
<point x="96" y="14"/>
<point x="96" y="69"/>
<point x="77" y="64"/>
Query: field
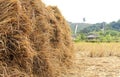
<point x="98" y="49"/>
<point x="96" y="60"/>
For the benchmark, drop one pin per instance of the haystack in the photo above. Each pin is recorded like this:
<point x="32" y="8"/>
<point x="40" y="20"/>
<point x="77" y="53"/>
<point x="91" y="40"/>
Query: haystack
<point x="34" y="40"/>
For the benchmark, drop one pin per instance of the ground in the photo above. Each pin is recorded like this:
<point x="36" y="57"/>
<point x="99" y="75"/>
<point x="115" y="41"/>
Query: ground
<point x="95" y="66"/>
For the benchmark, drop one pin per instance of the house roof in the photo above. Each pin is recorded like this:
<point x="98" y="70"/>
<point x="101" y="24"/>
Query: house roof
<point x="92" y="36"/>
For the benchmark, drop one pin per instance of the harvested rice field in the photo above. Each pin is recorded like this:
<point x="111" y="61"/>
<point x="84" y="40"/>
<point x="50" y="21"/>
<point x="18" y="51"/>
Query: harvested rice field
<point x="94" y="65"/>
<point x="98" y="49"/>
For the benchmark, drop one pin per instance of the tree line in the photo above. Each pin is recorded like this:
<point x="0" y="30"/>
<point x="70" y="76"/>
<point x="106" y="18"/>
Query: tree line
<point x="107" y="32"/>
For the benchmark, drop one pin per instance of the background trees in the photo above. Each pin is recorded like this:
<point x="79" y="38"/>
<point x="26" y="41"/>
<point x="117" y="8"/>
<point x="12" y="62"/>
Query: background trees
<point x="109" y="32"/>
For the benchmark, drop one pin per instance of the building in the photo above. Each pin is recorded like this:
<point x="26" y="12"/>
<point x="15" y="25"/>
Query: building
<point x="92" y="36"/>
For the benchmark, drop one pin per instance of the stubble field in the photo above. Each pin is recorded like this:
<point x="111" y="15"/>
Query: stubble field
<point x="98" y="49"/>
<point x="96" y="60"/>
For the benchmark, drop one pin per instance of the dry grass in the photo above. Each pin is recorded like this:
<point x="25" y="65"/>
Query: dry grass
<point x="34" y="39"/>
<point x="98" y="49"/>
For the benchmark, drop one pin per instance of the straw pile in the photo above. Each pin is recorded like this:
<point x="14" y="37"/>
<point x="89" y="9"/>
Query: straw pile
<point x="34" y="40"/>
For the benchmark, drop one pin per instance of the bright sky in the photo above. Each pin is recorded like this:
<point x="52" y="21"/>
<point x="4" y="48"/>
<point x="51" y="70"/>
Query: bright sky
<point x="93" y="10"/>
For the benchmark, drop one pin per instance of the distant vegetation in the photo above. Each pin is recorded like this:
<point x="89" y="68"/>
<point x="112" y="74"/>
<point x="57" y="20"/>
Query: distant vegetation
<point x="107" y="32"/>
<point x="81" y="26"/>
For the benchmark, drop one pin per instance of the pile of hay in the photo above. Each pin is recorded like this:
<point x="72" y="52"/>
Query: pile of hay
<point x="35" y="40"/>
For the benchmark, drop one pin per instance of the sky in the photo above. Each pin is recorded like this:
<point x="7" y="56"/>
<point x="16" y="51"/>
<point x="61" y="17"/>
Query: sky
<point x="94" y="11"/>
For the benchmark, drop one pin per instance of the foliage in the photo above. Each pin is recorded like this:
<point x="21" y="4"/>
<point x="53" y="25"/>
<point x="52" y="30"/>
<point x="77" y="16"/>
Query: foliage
<point x="108" y="32"/>
<point x="81" y="26"/>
